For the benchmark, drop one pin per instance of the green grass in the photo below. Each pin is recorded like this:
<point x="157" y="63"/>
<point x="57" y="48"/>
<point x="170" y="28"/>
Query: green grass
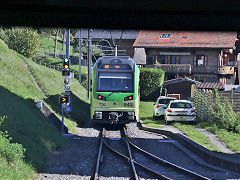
<point x="52" y="81"/>
<point x="232" y="140"/>
<point x="49" y="45"/>
<point x="196" y="136"/>
<point x="146" y="115"/>
<point x="25" y="123"/>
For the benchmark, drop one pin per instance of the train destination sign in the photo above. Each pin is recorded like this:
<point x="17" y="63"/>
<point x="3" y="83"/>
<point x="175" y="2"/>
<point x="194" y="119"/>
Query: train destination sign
<point x="116" y="66"/>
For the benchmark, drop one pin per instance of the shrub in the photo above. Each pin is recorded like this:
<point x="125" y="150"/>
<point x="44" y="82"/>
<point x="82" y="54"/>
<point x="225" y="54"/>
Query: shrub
<point x="23" y="40"/>
<point x="223" y="115"/>
<point x="150" y="83"/>
<point x="11" y="151"/>
<point x="3" y="35"/>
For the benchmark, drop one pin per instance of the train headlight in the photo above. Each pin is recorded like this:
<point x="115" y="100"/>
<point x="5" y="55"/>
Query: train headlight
<point x="98" y="115"/>
<point x="131" y="116"/>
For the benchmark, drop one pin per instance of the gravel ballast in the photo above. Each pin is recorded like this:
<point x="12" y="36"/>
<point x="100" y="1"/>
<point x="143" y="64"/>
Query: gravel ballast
<point x="77" y="161"/>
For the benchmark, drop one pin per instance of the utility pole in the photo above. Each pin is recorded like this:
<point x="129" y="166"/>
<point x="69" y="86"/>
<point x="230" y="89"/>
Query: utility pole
<point x="89" y="60"/>
<point x="80" y="54"/>
<point x="67" y="43"/>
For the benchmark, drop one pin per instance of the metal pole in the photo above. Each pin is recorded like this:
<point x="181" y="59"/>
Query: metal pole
<point x="80" y="54"/>
<point x="62" y="128"/>
<point x="89" y="60"/>
<point x="67" y="42"/>
<point x="115" y="51"/>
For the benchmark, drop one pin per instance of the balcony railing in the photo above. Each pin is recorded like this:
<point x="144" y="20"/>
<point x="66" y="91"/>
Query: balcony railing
<point x="173" y="68"/>
<point x="188" y="69"/>
<point x="213" y="69"/>
<point x="205" y="69"/>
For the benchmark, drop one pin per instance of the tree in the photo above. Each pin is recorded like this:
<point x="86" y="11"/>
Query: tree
<point x="56" y="40"/>
<point x="23" y="40"/>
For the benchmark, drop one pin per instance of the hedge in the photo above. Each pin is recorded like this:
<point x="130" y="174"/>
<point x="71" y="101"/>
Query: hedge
<point x="151" y="81"/>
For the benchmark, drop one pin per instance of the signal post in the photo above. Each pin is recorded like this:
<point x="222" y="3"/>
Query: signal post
<point x="65" y="100"/>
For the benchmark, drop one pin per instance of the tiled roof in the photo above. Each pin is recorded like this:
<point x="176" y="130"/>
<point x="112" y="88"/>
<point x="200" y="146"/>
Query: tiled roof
<point x="151" y="39"/>
<point x="178" y="80"/>
<point x="109" y="34"/>
<point x="209" y="85"/>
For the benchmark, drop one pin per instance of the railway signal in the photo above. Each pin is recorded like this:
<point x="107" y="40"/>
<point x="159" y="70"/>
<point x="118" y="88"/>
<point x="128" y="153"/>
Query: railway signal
<point x="64" y="99"/>
<point x="66" y="67"/>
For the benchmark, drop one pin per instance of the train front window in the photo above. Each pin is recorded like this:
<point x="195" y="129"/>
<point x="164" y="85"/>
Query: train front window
<point x="121" y="82"/>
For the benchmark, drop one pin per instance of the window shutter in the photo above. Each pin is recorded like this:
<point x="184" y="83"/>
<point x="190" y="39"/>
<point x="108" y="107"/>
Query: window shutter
<point x="205" y="60"/>
<point x="195" y="60"/>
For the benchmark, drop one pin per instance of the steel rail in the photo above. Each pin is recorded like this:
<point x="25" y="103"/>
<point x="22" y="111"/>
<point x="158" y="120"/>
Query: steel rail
<point x="186" y="171"/>
<point x="160" y="176"/>
<point x="131" y="158"/>
<point x="96" y="175"/>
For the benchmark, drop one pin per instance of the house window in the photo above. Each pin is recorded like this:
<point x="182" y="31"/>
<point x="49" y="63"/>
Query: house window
<point x="200" y="60"/>
<point x="165" y="36"/>
<point x="173" y="59"/>
<point x="159" y="59"/>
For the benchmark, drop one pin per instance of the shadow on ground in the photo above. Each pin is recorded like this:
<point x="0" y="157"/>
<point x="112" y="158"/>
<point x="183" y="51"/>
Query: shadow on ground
<point x="27" y="126"/>
<point x="80" y="109"/>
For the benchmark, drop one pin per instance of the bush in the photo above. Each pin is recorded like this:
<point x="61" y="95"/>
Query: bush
<point x="3" y="35"/>
<point x="11" y="151"/>
<point x="223" y="115"/>
<point x="150" y="83"/>
<point x="24" y="41"/>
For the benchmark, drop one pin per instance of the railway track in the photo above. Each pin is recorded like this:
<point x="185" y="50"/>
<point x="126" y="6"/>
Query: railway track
<point x="166" y="170"/>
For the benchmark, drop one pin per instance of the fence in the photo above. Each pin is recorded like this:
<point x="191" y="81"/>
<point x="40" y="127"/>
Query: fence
<point x="59" y="68"/>
<point x="233" y="97"/>
<point x="204" y="98"/>
<point x="62" y="55"/>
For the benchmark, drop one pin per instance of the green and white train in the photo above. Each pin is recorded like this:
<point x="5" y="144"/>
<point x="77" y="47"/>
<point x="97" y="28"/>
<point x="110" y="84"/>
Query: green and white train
<point x="115" y="90"/>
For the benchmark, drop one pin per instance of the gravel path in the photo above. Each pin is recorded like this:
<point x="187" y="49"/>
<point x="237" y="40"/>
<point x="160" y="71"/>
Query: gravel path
<point x="215" y="140"/>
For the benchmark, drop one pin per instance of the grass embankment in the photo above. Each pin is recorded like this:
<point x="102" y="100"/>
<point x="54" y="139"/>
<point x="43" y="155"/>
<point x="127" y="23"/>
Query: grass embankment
<point x="24" y="122"/>
<point x="146" y="112"/>
<point x="48" y="45"/>
<point x="51" y="82"/>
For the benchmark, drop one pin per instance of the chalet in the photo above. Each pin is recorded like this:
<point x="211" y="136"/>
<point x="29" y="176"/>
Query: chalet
<point x="203" y="56"/>
<point x="107" y="38"/>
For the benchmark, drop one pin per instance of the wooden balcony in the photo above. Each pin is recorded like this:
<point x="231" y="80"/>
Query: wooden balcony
<point x="173" y="68"/>
<point x="205" y="69"/>
<point x="188" y="69"/>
